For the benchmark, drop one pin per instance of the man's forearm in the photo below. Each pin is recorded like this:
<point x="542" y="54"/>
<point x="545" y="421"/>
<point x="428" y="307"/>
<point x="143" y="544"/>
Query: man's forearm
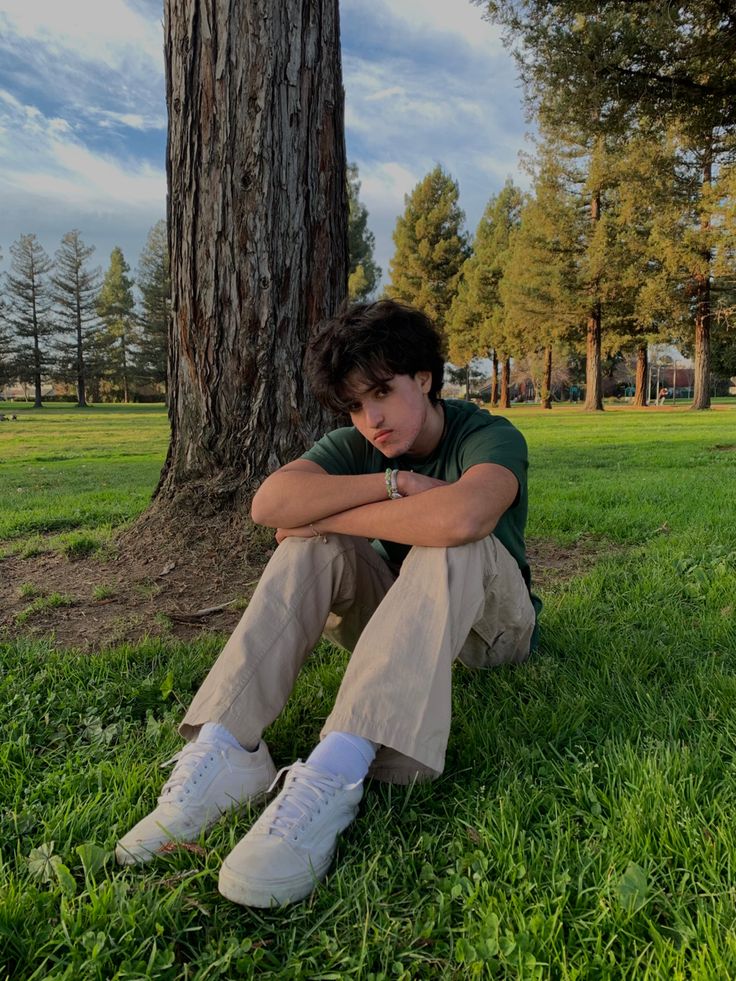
<point x="291" y="498"/>
<point x="437" y="518"/>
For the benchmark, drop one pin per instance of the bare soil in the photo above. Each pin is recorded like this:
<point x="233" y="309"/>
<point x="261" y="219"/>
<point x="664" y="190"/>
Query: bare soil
<point x="176" y="580"/>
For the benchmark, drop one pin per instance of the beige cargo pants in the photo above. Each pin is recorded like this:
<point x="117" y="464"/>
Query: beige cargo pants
<point x="468" y="602"/>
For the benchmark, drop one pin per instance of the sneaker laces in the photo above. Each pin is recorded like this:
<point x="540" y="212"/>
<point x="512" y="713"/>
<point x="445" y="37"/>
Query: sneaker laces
<point x="305" y="791"/>
<point x="191" y="762"/>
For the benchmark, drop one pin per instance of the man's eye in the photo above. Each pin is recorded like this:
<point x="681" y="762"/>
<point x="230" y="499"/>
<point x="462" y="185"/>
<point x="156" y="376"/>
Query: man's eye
<point x="353" y="408"/>
<point x="381" y="393"/>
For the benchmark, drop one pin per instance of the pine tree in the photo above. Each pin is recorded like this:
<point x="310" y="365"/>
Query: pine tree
<point x="74" y="292"/>
<point x="6" y="366"/>
<point x="29" y="312"/>
<point x="115" y="307"/>
<point x="154" y="283"/>
<point x="597" y="68"/>
<point x="544" y="306"/>
<point x="476" y="320"/>
<point x="364" y="273"/>
<point x="431" y="247"/>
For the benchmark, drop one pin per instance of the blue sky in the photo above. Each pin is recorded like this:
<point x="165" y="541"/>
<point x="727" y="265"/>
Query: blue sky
<point x="83" y="114"/>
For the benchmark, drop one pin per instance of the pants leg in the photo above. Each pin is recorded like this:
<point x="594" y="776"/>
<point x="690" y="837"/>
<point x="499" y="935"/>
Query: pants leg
<point x="252" y="678"/>
<point x="397" y="687"/>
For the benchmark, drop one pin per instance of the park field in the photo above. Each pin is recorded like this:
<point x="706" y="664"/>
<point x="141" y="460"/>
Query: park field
<point x="584" y="826"/>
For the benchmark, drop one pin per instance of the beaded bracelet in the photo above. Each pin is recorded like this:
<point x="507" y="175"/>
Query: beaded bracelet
<point x="392" y="484"/>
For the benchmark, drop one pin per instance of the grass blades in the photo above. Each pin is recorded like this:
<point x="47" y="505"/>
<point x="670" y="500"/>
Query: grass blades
<point x="583" y="828"/>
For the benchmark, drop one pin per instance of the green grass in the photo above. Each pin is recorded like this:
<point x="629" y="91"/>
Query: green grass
<point x="64" y="468"/>
<point x="584" y="826"/>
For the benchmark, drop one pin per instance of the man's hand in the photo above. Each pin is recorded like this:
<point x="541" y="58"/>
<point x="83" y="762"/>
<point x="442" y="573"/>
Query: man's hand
<point x="410" y="483"/>
<point x="305" y="531"/>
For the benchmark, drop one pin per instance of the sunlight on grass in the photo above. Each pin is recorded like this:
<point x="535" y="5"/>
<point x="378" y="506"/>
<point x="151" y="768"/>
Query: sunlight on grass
<point x="584" y="824"/>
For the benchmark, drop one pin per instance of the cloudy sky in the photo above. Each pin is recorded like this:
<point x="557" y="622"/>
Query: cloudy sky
<point x="83" y="114"/>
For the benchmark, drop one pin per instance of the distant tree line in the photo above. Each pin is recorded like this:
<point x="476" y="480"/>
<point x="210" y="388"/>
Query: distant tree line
<point x="106" y="336"/>
<point x="63" y="321"/>
<point x="628" y="237"/>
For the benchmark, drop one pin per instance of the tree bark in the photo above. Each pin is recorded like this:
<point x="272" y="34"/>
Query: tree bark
<point x="593" y="373"/>
<point x="257" y="224"/>
<point x="642" y="368"/>
<point x="505" y="400"/>
<point x="37" y="402"/>
<point x="547" y="379"/>
<point x="701" y="380"/>
<point x="494" y="378"/>
<point x="81" y="394"/>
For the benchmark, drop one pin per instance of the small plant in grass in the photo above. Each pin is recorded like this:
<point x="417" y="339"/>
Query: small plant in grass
<point x="80" y="547"/>
<point x="102" y="592"/>
<point x="33" y="547"/>
<point x="29" y="590"/>
<point x="50" y="602"/>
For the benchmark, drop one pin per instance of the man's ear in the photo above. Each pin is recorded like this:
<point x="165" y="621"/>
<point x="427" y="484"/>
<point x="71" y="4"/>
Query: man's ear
<point x="425" y="380"/>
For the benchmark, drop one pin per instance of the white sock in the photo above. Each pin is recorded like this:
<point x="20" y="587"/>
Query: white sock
<point x="213" y="732"/>
<point x="344" y="755"/>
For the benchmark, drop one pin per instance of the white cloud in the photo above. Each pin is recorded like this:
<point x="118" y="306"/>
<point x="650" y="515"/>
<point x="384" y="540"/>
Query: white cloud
<point x="95" y="30"/>
<point x="45" y="160"/>
<point x="131" y="120"/>
<point x="457" y="18"/>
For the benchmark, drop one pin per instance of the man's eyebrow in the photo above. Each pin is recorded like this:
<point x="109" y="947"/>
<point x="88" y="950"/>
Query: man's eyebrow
<point x="355" y="395"/>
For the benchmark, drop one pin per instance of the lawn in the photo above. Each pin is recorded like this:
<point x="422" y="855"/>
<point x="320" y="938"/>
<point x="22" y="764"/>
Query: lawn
<point x="583" y="829"/>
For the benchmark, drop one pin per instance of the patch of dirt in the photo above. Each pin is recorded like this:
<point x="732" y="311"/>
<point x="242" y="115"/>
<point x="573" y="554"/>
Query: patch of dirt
<point x="177" y="577"/>
<point x="156" y="582"/>
<point x="552" y="564"/>
<point x="725" y="447"/>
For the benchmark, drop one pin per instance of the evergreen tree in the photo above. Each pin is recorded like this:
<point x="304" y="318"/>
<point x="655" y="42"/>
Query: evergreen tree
<point x="364" y="274"/>
<point x="6" y="366"/>
<point x="115" y="308"/>
<point x="476" y="322"/>
<point x="154" y="282"/>
<point x="74" y="291"/>
<point x="431" y="247"/>
<point x="29" y="311"/>
<point x="598" y="67"/>
<point x="544" y="306"/>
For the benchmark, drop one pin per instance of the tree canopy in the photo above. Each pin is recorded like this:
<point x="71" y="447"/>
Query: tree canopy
<point x="431" y="246"/>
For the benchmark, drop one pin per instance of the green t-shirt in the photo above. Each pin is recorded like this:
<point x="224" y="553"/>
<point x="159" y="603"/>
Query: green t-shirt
<point x="471" y="436"/>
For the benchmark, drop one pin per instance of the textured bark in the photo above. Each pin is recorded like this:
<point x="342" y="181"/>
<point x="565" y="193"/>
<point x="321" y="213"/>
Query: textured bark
<point x="505" y="400"/>
<point x="257" y="218"/>
<point x="593" y="374"/>
<point x="701" y="379"/>
<point x="494" y="378"/>
<point x="642" y="368"/>
<point x="547" y="379"/>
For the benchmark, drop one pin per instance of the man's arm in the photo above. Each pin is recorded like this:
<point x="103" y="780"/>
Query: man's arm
<point x="302" y="492"/>
<point x="444" y="515"/>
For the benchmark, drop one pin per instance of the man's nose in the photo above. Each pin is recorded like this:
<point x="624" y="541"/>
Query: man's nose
<point x="374" y="414"/>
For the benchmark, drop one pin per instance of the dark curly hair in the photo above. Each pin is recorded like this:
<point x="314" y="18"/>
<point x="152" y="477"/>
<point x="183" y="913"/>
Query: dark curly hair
<point x="377" y="340"/>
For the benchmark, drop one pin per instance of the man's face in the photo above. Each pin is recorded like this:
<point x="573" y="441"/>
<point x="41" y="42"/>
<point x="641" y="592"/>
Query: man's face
<point x="393" y="416"/>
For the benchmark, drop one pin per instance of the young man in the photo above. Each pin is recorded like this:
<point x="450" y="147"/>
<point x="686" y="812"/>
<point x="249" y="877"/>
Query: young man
<point x="401" y="537"/>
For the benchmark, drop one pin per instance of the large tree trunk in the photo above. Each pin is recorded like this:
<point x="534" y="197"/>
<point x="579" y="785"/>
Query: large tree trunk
<point x="593" y="374"/>
<point x="257" y="217"/>
<point x="494" y="378"/>
<point x="547" y="379"/>
<point x="642" y="367"/>
<point x="505" y="401"/>
<point x="701" y="380"/>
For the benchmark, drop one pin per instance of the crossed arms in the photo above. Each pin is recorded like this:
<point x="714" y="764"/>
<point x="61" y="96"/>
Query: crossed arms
<point x="302" y="496"/>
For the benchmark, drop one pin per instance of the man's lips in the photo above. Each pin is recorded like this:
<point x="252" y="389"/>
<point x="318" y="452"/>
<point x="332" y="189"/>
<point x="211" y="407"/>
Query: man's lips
<point x="382" y="434"/>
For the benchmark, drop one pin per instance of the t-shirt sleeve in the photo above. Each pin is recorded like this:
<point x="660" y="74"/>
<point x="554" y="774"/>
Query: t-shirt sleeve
<point x="341" y="452"/>
<point x="503" y="445"/>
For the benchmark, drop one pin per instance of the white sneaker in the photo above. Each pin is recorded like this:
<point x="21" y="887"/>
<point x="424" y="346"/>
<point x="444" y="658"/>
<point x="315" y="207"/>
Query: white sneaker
<point x="291" y="846"/>
<point x="208" y="780"/>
